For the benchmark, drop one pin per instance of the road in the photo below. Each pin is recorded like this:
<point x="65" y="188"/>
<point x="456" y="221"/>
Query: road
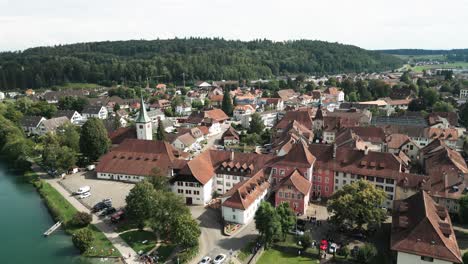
<point x="212" y="240"/>
<point x="124" y="249"/>
<point x="212" y="140"/>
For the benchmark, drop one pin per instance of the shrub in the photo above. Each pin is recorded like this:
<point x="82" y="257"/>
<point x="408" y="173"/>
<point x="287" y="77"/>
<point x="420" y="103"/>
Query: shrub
<point x="465" y="258"/>
<point x="343" y="251"/>
<point x="83" y="239"/>
<point x="366" y="253"/>
<point x="81" y="219"/>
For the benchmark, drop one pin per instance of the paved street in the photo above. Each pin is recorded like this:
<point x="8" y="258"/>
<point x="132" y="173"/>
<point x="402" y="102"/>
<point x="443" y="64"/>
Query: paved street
<point x="214" y="139"/>
<point x="212" y="240"/>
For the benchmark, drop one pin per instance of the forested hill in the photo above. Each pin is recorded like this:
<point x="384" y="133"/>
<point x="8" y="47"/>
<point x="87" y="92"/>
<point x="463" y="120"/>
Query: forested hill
<point x="166" y="60"/>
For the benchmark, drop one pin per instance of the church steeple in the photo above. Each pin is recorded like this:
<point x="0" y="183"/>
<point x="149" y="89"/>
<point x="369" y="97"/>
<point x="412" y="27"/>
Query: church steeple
<point x="142" y="116"/>
<point x="143" y="123"/>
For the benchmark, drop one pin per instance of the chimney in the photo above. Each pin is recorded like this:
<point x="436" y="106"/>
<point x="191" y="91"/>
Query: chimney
<point x="366" y="150"/>
<point x="232" y="155"/>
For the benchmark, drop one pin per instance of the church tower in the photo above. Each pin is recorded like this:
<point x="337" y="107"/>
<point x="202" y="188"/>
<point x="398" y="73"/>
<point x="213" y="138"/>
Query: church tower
<point x="143" y="124"/>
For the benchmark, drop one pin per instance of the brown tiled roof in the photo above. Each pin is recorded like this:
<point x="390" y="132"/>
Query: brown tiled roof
<point x="230" y="133"/>
<point x="286" y="94"/>
<point x="298" y="156"/>
<point x="215" y="114"/>
<point x="422" y="227"/>
<point x="371" y="133"/>
<point x="304" y="117"/>
<point x="204" y="130"/>
<point x="332" y="91"/>
<point x="298" y="181"/>
<point x="395" y="141"/>
<point x="187" y="139"/>
<point x="441" y="133"/>
<point x="216" y="98"/>
<point x="120" y="134"/>
<point x="243" y="194"/>
<point x="138" y="157"/>
<point x="452" y="118"/>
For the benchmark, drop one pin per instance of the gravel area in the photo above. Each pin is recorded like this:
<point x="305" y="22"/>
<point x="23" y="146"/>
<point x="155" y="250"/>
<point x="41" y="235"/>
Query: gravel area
<point x="100" y="189"/>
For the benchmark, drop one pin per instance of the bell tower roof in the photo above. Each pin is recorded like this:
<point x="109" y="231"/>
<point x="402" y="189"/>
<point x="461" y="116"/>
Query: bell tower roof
<point x="142" y="116"/>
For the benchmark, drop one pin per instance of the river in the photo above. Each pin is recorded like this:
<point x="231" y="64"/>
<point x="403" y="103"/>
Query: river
<point x="24" y="218"/>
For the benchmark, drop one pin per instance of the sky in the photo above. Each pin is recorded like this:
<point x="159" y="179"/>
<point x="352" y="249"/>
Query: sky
<point x="370" y="24"/>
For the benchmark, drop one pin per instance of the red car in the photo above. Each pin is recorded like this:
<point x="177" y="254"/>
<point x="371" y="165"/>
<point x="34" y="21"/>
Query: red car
<point x="324" y="245"/>
<point x="117" y="216"/>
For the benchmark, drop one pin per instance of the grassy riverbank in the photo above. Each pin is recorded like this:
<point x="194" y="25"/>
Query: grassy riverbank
<point x="63" y="211"/>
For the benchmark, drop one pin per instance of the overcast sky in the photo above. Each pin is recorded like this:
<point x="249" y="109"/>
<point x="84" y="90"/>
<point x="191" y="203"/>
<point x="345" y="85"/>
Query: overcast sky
<point x="370" y="24"/>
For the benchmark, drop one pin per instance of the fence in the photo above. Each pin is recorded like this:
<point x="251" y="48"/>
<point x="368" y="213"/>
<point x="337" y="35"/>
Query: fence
<point x="256" y="256"/>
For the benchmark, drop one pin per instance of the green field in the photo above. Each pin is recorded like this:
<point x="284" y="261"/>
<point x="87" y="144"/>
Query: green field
<point x="64" y="211"/>
<point x="135" y="238"/>
<point x="459" y="65"/>
<point x="276" y="256"/>
<point x="422" y="57"/>
<point x="76" y="86"/>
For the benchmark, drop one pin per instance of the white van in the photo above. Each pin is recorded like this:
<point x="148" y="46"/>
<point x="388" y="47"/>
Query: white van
<point x="83" y="189"/>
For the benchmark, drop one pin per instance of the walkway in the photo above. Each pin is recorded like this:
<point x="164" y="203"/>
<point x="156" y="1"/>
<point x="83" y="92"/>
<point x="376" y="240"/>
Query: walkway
<point x="106" y="229"/>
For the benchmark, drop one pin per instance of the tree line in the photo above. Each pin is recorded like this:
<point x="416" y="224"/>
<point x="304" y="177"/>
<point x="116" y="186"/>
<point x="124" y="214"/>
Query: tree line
<point x="133" y="62"/>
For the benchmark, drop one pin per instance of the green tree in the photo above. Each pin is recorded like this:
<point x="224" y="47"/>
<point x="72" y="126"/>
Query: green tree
<point x="227" y="105"/>
<point x="93" y="139"/>
<point x="465" y="258"/>
<point x="353" y="97"/>
<point x="442" y="106"/>
<point x="168" y="207"/>
<point x="83" y="239"/>
<point x="140" y="202"/>
<point x="357" y="204"/>
<point x="463" y="209"/>
<point x="81" y="219"/>
<point x="287" y="218"/>
<point x="268" y="223"/>
<point x="69" y="135"/>
<point x="343" y="251"/>
<point x="366" y="253"/>
<point x="159" y="180"/>
<point x="185" y="231"/>
<point x="306" y="242"/>
<point x="160" y="132"/>
<point x="464" y="114"/>
<point x="256" y="124"/>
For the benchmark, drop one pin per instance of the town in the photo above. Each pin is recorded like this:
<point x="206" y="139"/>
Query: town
<point x="344" y="168"/>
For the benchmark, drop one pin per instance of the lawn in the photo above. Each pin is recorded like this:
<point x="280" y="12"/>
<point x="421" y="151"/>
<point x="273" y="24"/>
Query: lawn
<point x="164" y="251"/>
<point x="63" y="211"/>
<point x="276" y="256"/>
<point x="77" y="86"/>
<point x="245" y="252"/>
<point x="135" y="238"/>
<point x="442" y="66"/>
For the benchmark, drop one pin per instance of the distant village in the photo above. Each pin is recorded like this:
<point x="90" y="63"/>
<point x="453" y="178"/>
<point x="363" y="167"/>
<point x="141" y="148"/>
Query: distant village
<point x="312" y="145"/>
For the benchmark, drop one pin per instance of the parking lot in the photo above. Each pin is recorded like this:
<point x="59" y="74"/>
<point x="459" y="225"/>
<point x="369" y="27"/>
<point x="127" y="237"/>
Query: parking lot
<point x="100" y="189"/>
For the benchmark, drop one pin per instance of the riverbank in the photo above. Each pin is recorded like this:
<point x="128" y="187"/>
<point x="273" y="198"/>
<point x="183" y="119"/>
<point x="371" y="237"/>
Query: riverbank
<point x="63" y="211"/>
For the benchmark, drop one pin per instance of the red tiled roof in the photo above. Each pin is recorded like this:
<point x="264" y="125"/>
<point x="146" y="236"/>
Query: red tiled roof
<point x="138" y="157"/>
<point x="304" y="117"/>
<point x="395" y="141"/>
<point x="422" y="227"/>
<point x="243" y="194"/>
<point x="298" y="156"/>
<point x="298" y="181"/>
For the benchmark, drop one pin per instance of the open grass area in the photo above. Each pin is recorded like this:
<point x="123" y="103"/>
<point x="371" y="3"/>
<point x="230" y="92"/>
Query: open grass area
<point x="63" y="211"/>
<point x="135" y="240"/>
<point x="77" y="86"/>
<point x="276" y="256"/>
<point x="245" y="252"/>
<point x="442" y="66"/>
<point x="164" y="251"/>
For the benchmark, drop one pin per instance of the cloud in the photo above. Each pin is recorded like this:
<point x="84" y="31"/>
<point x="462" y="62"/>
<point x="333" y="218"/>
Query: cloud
<point x="370" y="24"/>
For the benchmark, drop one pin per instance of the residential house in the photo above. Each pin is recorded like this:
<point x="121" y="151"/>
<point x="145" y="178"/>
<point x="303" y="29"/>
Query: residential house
<point x="209" y="118"/>
<point x="72" y="115"/>
<point x="185" y="142"/>
<point x="401" y="142"/>
<point x="156" y="115"/>
<point x="422" y="232"/>
<point x="90" y="111"/>
<point x="241" y="202"/>
<point x="323" y="173"/>
<point x="216" y="100"/>
<point x="334" y="94"/>
<point x="287" y="94"/>
<point x="51" y="125"/>
<point x="294" y="190"/>
<point x="230" y="137"/>
<point x="183" y="109"/>
<point x="243" y="110"/>
<point x="30" y="124"/>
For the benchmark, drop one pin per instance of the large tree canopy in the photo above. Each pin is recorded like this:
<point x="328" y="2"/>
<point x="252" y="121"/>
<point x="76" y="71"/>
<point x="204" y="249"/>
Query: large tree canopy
<point x="93" y="139"/>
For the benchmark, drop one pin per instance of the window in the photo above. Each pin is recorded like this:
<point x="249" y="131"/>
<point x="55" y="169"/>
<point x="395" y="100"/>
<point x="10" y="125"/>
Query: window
<point x="188" y="192"/>
<point x="318" y="187"/>
<point x="289" y="187"/>
<point x="228" y="177"/>
<point x="180" y="184"/>
<point x="326" y="180"/>
<point x="219" y="182"/>
<point x="228" y="184"/>
<point x="389" y="181"/>
<point x="337" y="181"/>
<point x="196" y="192"/>
<point x="378" y="179"/>
<point x="314" y="187"/>
<point x="319" y="178"/>
<point x="141" y="126"/>
<point x="281" y="172"/>
<point x="299" y="196"/>
<point x="370" y="178"/>
<point x="233" y="216"/>
<point x="293" y="196"/>
<point x="180" y="191"/>
<point x="233" y="210"/>
<point x="326" y="188"/>
<point x="234" y="178"/>
<point x="388" y="189"/>
<point x="344" y="181"/>
<point x="191" y="184"/>
<point x="280" y="194"/>
<point x="286" y="195"/>
<point x="273" y="171"/>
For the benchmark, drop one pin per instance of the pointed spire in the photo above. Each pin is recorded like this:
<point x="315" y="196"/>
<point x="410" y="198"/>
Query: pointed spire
<point x="142" y="116"/>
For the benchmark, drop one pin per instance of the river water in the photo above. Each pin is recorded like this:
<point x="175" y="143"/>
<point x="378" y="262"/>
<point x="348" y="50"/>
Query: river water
<point x="23" y="220"/>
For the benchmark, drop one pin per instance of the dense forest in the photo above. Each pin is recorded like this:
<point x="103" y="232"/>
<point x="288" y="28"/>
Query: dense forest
<point x="451" y="55"/>
<point x="133" y="62"/>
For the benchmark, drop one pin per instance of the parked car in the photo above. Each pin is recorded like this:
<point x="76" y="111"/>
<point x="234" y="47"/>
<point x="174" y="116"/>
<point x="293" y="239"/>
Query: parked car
<point x="99" y="207"/>
<point x="85" y="195"/>
<point x="82" y="190"/>
<point x="219" y="259"/>
<point x="91" y="167"/>
<point x="332" y="248"/>
<point x="119" y="215"/>
<point x="297" y="232"/>
<point x="205" y="260"/>
<point x="108" y="211"/>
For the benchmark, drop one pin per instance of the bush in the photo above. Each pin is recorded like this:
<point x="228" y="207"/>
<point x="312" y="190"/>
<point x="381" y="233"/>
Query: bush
<point x="366" y="253"/>
<point x="83" y="239"/>
<point x="187" y="255"/>
<point x="465" y="258"/>
<point x="81" y="219"/>
<point x="343" y="251"/>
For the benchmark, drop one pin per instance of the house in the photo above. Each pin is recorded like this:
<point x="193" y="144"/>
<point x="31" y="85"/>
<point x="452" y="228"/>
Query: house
<point x="29" y="92"/>
<point x="161" y="104"/>
<point x="161" y="87"/>
<point x="134" y="160"/>
<point x="323" y="174"/>
<point x="242" y="110"/>
<point x="90" y="111"/>
<point x="304" y="116"/>
<point x="240" y="203"/>
<point x="401" y="93"/>
<point x="334" y="94"/>
<point x="230" y="137"/>
<point x="50" y="125"/>
<point x="401" y="142"/>
<point x="30" y="124"/>
<point x="183" y="109"/>
<point x="422" y="232"/>
<point x="372" y="138"/>
<point x="209" y="118"/>
<point x="246" y="99"/>
<point x="156" y="115"/>
<point x="185" y="142"/>
<point x="443" y="119"/>
<point x="72" y="115"/>
<point x="463" y="93"/>
<point x="287" y="94"/>
<point x="216" y="99"/>
<point x="269" y="119"/>
<point x="2" y="96"/>
<point x="203" y="85"/>
<point x="294" y="190"/>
